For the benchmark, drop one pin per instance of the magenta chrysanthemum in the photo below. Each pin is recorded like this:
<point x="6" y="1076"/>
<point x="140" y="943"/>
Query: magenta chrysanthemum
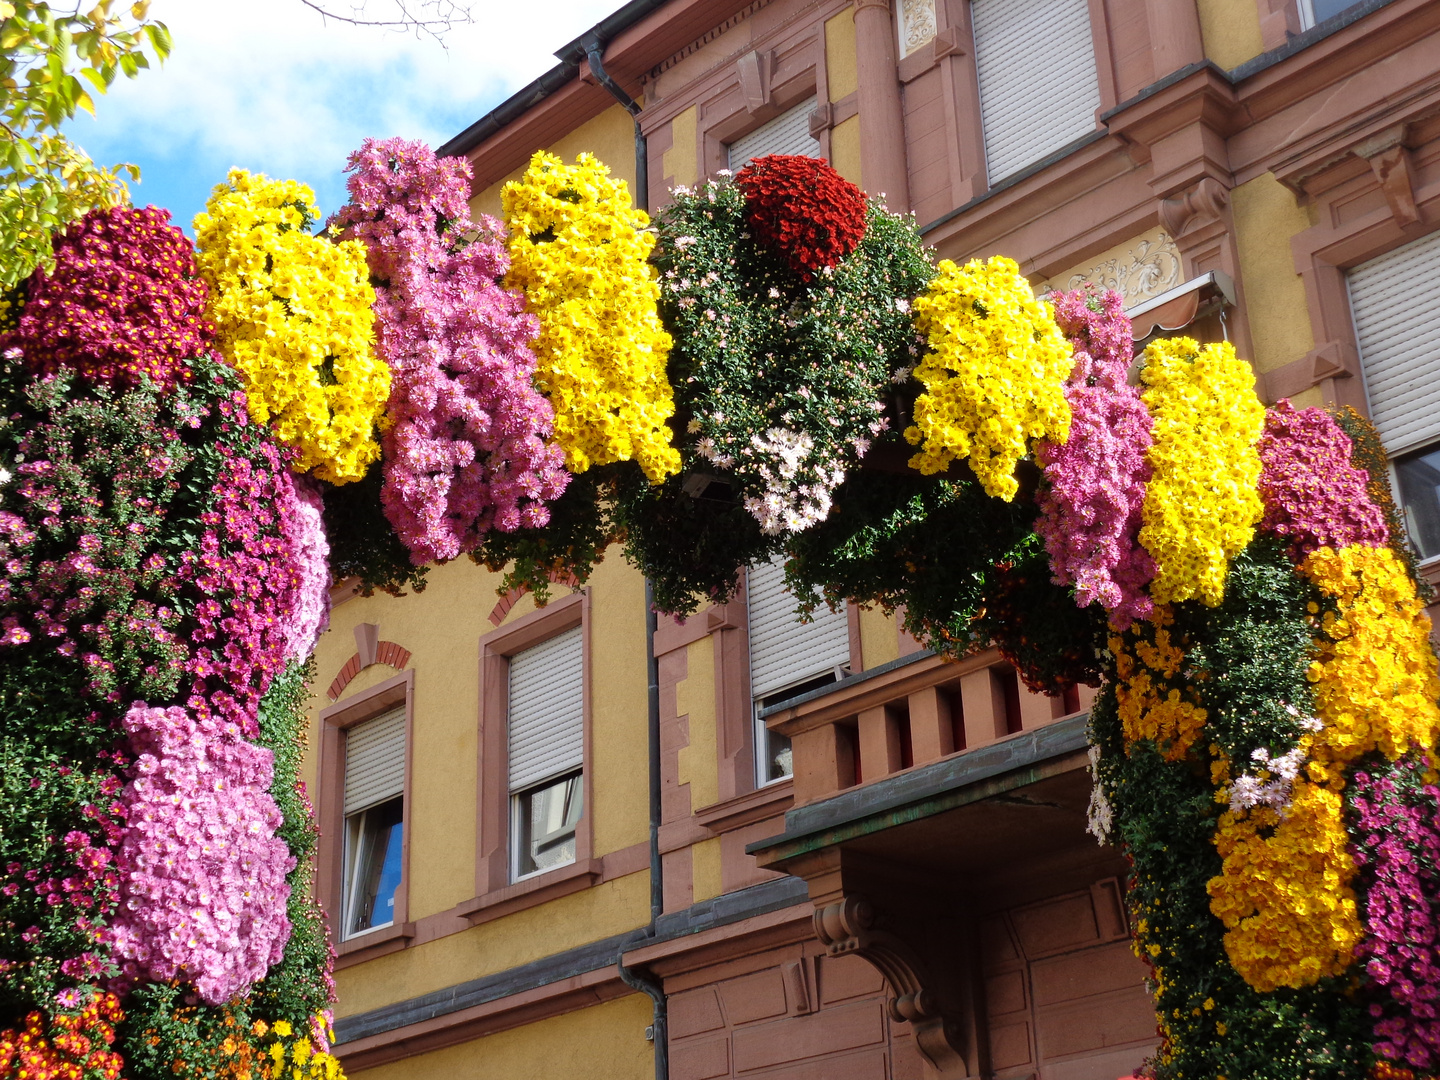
<point x="1314" y="496"/>
<point x="305" y="536"/>
<point x="471" y="447"/>
<point x="1095" y="481"/>
<point x="202" y="874"/>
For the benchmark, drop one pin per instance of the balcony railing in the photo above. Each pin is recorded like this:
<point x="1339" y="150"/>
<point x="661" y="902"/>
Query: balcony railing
<point x="909" y="712"/>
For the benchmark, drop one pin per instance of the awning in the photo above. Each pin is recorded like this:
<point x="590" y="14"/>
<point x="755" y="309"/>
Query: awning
<point x="1177" y="308"/>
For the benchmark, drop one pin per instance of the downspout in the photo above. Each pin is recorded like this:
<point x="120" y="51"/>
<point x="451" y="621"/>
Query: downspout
<point x="594" y="53"/>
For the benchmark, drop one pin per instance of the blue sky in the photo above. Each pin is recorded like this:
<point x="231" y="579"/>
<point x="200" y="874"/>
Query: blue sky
<point x="270" y="86"/>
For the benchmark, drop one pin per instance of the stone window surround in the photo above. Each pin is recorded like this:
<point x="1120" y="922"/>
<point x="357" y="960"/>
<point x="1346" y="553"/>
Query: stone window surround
<point x="335" y="720"/>
<point x="495" y="893"/>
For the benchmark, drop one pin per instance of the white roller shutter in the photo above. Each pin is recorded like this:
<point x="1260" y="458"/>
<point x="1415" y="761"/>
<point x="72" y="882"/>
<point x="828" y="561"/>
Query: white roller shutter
<point x="1397" y="323"/>
<point x="783" y="651"/>
<point x="1038" y="86"/>
<point x="375" y="761"/>
<point x="788" y="133"/>
<point x="547" y="709"/>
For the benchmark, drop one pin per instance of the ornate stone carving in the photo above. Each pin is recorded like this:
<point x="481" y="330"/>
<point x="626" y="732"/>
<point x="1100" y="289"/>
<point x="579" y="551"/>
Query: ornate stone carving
<point x="1138" y="270"/>
<point x="853" y="926"/>
<point x="1196" y="207"/>
<point x="917" y="24"/>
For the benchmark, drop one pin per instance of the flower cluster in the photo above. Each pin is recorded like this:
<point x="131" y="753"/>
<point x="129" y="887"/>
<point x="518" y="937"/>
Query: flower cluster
<point x="248" y="573"/>
<point x="470" y="448"/>
<point x="1090" y="506"/>
<point x="123" y="301"/>
<point x="994" y="377"/>
<point x="1314" y="497"/>
<point x="1376" y="685"/>
<point x="802" y="209"/>
<point x="202" y="874"/>
<point x="72" y="1043"/>
<point x="1397" y="848"/>
<point x="304" y="528"/>
<point x="1155" y="702"/>
<point x="1201" y="505"/>
<point x="294" y="313"/>
<point x="1285" y="892"/>
<point x="578" y="251"/>
<point x="783" y="380"/>
<point x="291" y="1055"/>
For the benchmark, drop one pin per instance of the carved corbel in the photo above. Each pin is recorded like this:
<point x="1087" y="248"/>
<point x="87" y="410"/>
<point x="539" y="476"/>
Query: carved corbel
<point x="1193" y="209"/>
<point x="756" y="69"/>
<point x="1394" y="170"/>
<point x="853" y="926"/>
<point x="822" y="119"/>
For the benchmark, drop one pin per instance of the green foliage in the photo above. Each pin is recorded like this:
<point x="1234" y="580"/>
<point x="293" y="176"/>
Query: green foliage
<point x="167" y="1033"/>
<point x="300" y="985"/>
<point x="50" y="61"/>
<point x="929" y="544"/>
<point x="362" y="543"/>
<point x="582" y="525"/>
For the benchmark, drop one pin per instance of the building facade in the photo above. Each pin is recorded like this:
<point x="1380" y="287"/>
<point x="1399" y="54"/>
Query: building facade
<point x="872" y="863"/>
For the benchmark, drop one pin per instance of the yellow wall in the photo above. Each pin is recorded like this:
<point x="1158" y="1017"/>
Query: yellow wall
<point x="695" y="698"/>
<point x="606" y="1042"/>
<point x="442" y="628"/>
<point x="879" y="637"/>
<point x="609" y="136"/>
<point x="612" y="907"/>
<point x="842" y="73"/>
<point x="680" y="162"/>
<point x="1266" y="217"/>
<point x="1231" y="29"/>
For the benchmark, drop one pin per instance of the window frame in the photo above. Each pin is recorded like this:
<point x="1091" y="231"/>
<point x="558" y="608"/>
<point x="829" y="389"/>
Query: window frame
<point x="335" y="721"/>
<point x="497" y="891"/>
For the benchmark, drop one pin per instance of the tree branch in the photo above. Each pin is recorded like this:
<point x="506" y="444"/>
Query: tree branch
<point x="433" y="17"/>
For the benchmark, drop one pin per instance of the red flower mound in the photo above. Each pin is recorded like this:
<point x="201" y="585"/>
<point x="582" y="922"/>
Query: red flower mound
<point x="124" y="300"/>
<point x="803" y="209"/>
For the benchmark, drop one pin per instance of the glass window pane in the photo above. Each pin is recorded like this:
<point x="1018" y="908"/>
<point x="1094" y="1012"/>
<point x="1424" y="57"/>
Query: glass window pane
<point x="374" y="839"/>
<point x="774" y="753"/>
<point x="1325" y="9"/>
<point x="1419" y="476"/>
<point x="544" y="824"/>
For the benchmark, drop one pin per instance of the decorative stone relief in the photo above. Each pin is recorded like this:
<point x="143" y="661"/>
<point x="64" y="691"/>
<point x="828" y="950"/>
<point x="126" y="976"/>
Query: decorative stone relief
<point x="1138" y="269"/>
<point x="917" y="24"/>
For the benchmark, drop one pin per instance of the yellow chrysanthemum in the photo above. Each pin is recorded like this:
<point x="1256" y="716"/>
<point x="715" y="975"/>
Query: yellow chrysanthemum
<point x="1152" y="693"/>
<point x="1284" y="891"/>
<point x="995" y="374"/>
<point x="1375" y="680"/>
<point x="1201" y="505"/>
<point x="578" y="252"/>
<point x="294" y="314"/>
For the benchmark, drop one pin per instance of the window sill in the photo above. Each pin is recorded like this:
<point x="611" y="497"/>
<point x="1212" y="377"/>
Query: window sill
<point x="532" y="891"/>
<point x="766" y="802"/>
<point x="364" y="947"/>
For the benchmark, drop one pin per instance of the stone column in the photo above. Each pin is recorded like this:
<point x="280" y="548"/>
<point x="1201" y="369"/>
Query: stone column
<point x="882" y="119"/>
<point x="1174" y="35"/>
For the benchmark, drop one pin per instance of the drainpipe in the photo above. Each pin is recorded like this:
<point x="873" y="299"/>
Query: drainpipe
<point x="594" y="54"/>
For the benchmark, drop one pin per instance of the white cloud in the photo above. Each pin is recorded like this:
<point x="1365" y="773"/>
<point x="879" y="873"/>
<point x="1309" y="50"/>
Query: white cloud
<point x="271" y="86"/>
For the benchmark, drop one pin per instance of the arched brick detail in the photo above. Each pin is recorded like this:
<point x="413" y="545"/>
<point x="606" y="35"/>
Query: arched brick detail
<point x="387" y="652"/>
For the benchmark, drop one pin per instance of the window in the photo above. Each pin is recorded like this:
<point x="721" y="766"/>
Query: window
<point x="788" y="133"/>
<point x="1030" y="107"/>
<point x="545" y="734"/>
<point x="374" y="822"/>
<point x="787" y="658"/>
<point x="1419" y="482"/>
<point x="1397" y="325"/>
<point x="1317" y="11"/>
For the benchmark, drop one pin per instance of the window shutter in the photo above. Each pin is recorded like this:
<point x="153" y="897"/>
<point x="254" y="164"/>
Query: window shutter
<point x="1397" y="324"/>
<point x="788" y="133"/>
<point x="783" y="651"/>
<point x="1038" y="85"/>
<point x="375" y="761"/>
<point x="547" y="709"/>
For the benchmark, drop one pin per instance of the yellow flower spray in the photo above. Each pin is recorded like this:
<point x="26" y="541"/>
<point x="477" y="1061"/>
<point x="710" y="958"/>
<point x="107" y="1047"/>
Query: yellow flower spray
<point x="294" y="314"/>
<point x="578" y="252"/>
<point x="1201" y="506"/>
<point x="995" y="374"/>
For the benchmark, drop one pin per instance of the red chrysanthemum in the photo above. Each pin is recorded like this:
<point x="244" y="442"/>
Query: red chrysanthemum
<point x="803" y="209"/>
<point x="124" y="300"/>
